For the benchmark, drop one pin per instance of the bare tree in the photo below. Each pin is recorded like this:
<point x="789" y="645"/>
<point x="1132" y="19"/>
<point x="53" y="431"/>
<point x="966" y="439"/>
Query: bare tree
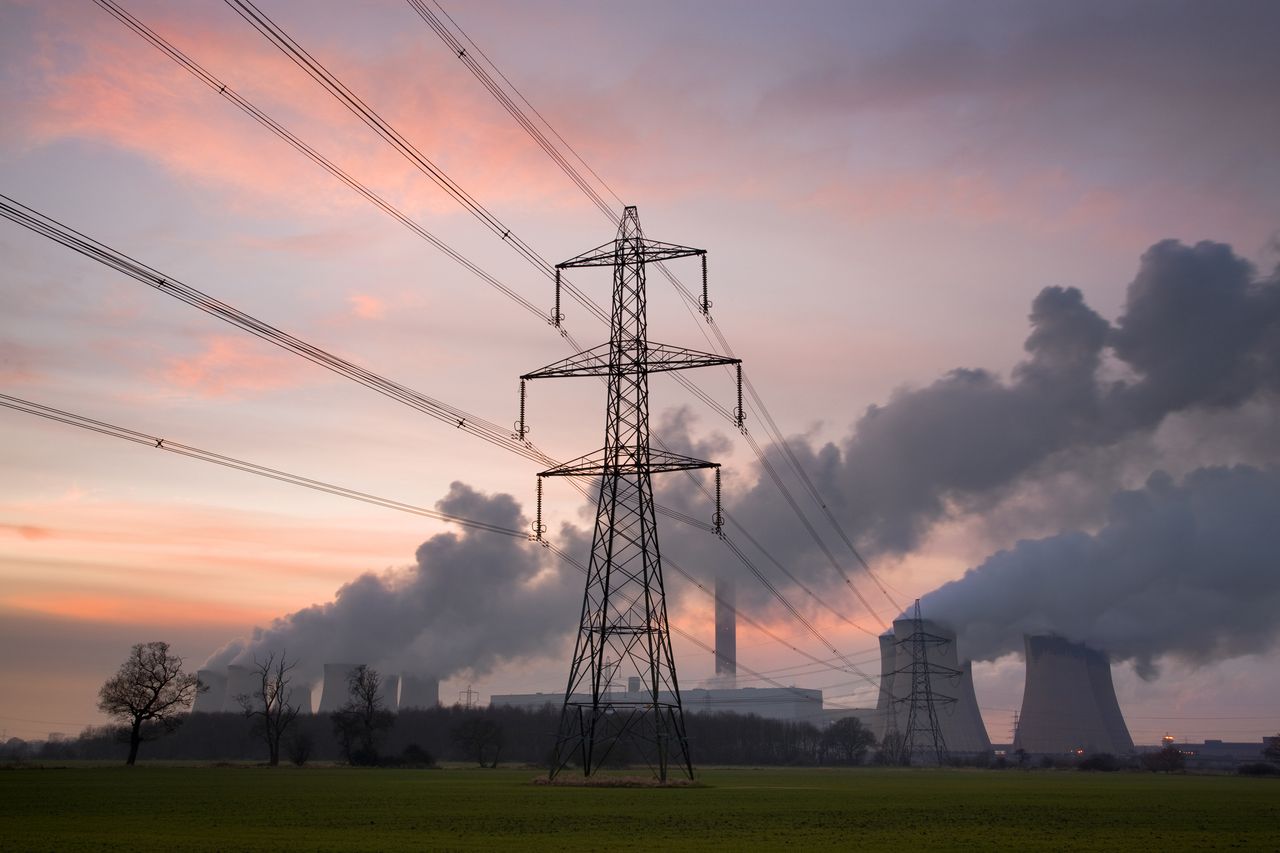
<point x="358" y="722"/>
<point x="481" y="737"/>
<point x="848" y="740"/>
<point x="149" y="688"/>
<point x="270" y="706"/>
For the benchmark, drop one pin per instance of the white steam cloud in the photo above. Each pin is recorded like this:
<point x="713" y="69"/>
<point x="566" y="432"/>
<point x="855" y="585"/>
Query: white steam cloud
<point x="472" y="600"/>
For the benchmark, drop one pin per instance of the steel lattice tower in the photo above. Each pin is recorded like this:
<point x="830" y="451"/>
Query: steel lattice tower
<point x="623" y="629"/>
<point x="923" y="732"/>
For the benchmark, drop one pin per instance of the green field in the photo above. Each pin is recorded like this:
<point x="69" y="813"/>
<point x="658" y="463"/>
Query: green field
<point x="336" y="808"/>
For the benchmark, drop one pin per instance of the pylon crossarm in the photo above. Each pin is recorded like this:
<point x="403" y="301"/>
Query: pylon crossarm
<point x="948" y="672"/>
<point x="596" y="464"/>
<point x="631" y="251"/>
<point x="657" y="359"/>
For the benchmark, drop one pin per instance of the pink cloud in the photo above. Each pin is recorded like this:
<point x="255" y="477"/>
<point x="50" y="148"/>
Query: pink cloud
<point x="367" y="307"/>
<point x="230" y="367"/>
<point x="122" y="93"/>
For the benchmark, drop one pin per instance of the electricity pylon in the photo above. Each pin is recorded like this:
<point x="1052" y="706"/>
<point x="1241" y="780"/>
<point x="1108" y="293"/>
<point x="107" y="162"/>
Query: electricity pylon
<point x="923" y="733"/>
<point x="623" y="627"/>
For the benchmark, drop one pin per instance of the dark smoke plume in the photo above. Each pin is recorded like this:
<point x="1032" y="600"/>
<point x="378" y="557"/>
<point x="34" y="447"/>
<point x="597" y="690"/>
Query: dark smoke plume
<point x="1184" y="569"/>
<point x="472" y="600"/>
<point x="1199" y="332"/>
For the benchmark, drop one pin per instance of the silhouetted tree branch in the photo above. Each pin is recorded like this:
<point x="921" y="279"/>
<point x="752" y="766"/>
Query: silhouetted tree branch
<point x="358" y="722"/>
<point x="270" y="706"/>
<point x="150" y="687"/>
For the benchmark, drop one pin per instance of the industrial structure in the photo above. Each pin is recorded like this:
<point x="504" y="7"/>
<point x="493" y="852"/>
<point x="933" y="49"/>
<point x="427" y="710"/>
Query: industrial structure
<point x="334" y="691"/>
<point x="906" y="674"/>
<point x="226" y="685"/>
<point x="299" y="696"/>
<point x="242" y="681"/>
<point x="419" y="691"/>
<point x="1069" y="702"/>
<point x="797" y="704"/>
<point x="391" y="692"/>
<point x="623" y="627"/>
<point x="211" y="698"/>
<point x="726" y="632"/>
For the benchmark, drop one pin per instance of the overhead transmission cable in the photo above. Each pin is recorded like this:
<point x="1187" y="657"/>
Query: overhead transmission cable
<point x="103" y="254"/>
<point x="133" y="436"/>
<point x="279" y="130"/>
<point x="125" y="434"/>
<point x="260" y="21"/>
<point x="353" y="103"/>
<point x="691" y="300"/>
<point x="262" y="118"/>
<point x="459" y="418"/>
<point x="178" y="56"/>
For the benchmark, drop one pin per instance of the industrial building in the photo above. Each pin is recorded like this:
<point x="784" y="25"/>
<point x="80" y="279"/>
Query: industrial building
<point x="241" y="681"/>
<point x="1069" y="701"/>
<point x="963" y="731"/>
<point x="226" y="686"/>
<point x="775" y="703"/>
<point x="419" y="691"/>
<point x="210" y="700"/>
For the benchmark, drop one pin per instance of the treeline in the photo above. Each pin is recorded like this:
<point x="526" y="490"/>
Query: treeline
<point x="456" y="733"/>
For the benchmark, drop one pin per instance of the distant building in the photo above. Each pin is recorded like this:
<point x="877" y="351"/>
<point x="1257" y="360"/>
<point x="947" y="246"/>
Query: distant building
<point x="1217" y="754"/>
<point x="775" y="703"/>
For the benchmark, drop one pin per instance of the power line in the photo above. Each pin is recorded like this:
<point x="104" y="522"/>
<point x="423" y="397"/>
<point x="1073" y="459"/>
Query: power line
<point x="452" y="415"/>
<point x="462" y="420"/>
<point x="226" y="92"/>
<point x="144" y="439"/>
<point x="692" y="302"/>
<point x="478" y="71"/>
<point x="125" y="434"/>
<point x="262" y="118"/>
<point x="107" y="256"/>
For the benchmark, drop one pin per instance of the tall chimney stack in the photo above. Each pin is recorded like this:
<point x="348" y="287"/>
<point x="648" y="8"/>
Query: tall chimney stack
<point x="726" y="630"/>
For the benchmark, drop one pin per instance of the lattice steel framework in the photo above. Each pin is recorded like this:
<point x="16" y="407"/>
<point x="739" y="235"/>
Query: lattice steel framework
<point x="923" y="733"/>
<point x="623" y="631"/>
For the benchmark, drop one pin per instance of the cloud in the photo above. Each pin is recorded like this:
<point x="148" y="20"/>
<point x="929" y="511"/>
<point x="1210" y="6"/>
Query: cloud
<point x="367" y="307"/>
<point x="1183" y="569"/>
<point x="230" y="367"/>
<point x="471" y="601"/>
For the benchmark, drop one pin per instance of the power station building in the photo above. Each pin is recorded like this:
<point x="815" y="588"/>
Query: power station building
<point x="226" y="686"/>
<point x="776" y="703"/>
<point x="963" y="731"/>
<point x="1069" y="701"/>
<point x="210" y="699"/>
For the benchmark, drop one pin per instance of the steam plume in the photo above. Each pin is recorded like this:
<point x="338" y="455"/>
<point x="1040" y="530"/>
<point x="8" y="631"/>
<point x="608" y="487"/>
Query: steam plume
<point x="1185" y="569"/>
<point x="1199" y="333"/>
<point x="472" y="600"/>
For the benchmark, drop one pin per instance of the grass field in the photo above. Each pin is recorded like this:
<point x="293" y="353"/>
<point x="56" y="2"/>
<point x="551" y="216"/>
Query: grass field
<point x="173" y="808"/>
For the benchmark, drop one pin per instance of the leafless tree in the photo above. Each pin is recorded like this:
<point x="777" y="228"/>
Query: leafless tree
<point x="149" y="688"/>
<point x="270" y="706"/>
<point x="481" y="738"/>
<point x="358" y="722"/>
<point x="848" y="740"/>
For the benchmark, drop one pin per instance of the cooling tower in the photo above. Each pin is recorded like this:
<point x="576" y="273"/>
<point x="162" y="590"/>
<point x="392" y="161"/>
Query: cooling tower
<point x="962" y="728"/>
<point x="1069" y="701"/>
<point x="335" y="692"/>
<point x="391" y="693"/>
<point x="419" y="691"/>
<point x="210" y="701"/>
<point x="300" y="697"/>
<point x="241" y="681"/>
<point x="726" y="630"/>
<point x="884" y="717"/>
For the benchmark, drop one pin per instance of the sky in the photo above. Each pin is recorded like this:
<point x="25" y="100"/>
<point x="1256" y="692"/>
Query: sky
<point x="926" y="224"/>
